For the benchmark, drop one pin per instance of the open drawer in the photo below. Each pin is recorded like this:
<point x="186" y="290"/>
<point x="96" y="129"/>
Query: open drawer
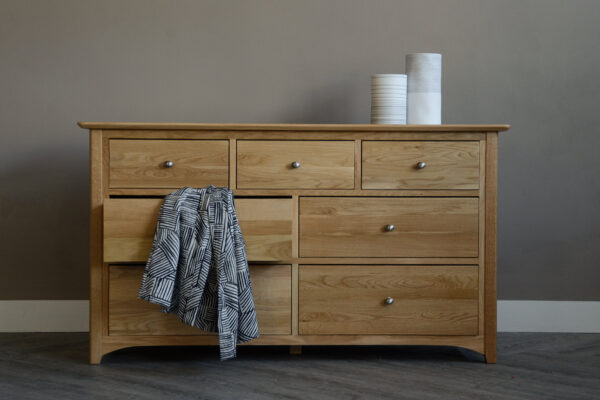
<point x="129" y="226"/>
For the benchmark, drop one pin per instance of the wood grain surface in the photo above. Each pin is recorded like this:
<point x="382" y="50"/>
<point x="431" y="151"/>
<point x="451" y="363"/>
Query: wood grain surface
<point x="268" y="164"/>
<point x="129" y="315"/>
<point x="129" y="226"/>
<point x="491" y="229"/>
<point x="355" y="227"/>
<point x="392" y="165"/>
<point x="350" y="299"/>
<point x="196" y="163"/>
<point x="97" y="188"/>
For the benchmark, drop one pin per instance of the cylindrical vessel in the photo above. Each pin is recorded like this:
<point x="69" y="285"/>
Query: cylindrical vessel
<point x="388" y="99"/>
<point x="424" y="88"/>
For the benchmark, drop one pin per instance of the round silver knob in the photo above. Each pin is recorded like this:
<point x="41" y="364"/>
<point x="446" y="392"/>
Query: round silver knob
<point x="421" y="164"/>
<point x="168" y="164"/>
<point x="296" y="164"/>
<point x="389" y="300"/>
<point x="389" y="228"/>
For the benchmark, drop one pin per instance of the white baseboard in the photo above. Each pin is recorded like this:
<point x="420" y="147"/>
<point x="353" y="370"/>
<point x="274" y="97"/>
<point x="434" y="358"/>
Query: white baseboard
<point x="44" y="315"/>
<point x="549" y="316"/>
<point x="513" y="316"/>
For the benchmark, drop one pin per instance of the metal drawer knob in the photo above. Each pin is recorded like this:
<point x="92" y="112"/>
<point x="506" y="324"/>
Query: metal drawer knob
<point x="389" y="300"/>
<point x="168" y="164"/>
<point x="421" y="164"/>
<point x="389" y="228"/>
<point x="296" y="164"/>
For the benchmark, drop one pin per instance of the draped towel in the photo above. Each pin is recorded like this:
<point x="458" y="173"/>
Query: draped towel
<point x="198" y="269"/>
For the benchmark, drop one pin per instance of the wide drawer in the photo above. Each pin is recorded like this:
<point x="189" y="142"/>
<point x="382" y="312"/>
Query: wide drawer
<point x="168" y="163"/>
<point x="354" y="299"/>
<point x="129" y="226"/>
<point x="128" y="315"/>
<point x="420" y="165"/>
<point x="388" y="227"/>
<point x="295" y="164"/>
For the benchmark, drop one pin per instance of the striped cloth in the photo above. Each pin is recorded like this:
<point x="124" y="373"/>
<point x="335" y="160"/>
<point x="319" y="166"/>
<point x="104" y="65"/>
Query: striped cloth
<point x="197" y="268"/>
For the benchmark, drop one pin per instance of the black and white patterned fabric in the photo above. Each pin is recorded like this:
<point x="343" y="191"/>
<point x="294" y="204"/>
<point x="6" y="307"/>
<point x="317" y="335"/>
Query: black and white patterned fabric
<point x="197" y="268"/>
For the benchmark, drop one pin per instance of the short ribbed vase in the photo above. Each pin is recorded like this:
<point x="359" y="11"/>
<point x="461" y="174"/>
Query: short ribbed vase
<point x="388" y="99"/>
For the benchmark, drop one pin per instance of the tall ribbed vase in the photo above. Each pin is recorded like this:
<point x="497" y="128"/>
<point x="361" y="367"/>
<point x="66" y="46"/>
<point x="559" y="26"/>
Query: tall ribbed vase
<point x="424" y="105"/>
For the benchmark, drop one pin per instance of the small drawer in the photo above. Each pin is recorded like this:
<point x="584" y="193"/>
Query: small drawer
<point x="388" y="227"/>
<point x="420" y="165"/>
<point x="128" y="315"/>
<point x="168" y="163"/>
<point x="129" y="226"/>
<point x="295" y="164"/>
<point x="388" y="300"/>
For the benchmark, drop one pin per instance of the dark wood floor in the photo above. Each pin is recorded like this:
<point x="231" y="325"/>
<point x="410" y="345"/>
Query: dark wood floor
<point x="530" y="366"/>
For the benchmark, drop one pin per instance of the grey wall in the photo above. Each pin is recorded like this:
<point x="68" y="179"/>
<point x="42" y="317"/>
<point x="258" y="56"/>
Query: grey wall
<point x="533" y="64"/>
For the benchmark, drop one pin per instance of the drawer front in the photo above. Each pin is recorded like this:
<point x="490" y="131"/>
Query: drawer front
<point x="129" y="226"/>
<point x="356" y="227"/>
<point x="351" y="299"/>
<point x="128" y="315"/>
<point x="395" y="165"/>
<point x="269" y="164"/>
<point x="195" y="163"/>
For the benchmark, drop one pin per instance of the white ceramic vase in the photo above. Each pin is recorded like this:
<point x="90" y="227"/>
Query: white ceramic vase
<point x="388" y="99"/>
<point x="424" y="88"/>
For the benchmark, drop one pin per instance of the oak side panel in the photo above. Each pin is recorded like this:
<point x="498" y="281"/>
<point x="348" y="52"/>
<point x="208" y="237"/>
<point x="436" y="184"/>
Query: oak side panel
<point x="96" y="198"/>
<point x="491" y="187"/>
<point x="105" y="186"/>
<point x="481" y="260"/>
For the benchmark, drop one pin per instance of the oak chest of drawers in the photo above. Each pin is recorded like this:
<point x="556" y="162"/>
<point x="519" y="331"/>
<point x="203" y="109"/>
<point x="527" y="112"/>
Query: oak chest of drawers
<point x="355" y="234"/>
